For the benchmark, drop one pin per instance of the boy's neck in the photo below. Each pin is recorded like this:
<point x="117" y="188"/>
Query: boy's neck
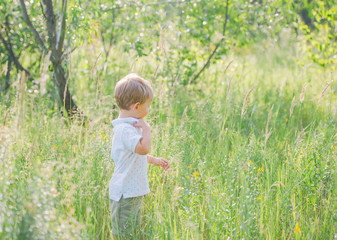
<point x="126" y="114"/>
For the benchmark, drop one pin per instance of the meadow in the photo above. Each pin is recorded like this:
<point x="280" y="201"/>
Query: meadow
<point x="252" y="147"/>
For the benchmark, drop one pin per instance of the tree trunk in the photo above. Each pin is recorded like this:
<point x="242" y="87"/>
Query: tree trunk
<point x="8" y="74"/>
<point x="63" y="90"/>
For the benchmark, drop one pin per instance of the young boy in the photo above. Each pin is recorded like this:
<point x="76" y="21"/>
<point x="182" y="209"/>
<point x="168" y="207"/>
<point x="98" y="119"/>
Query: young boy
<point x="130" y="146"/>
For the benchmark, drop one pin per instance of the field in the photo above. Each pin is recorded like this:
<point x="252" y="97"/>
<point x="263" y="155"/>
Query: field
<point x="252" y="147"/>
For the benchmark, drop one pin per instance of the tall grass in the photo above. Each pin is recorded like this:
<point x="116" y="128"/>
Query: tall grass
<point x="226" y="180"/>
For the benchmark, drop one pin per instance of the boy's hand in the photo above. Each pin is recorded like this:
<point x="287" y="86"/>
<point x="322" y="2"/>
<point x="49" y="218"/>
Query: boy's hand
<point x="161" y="162"/>
<point x="142" y="124"/>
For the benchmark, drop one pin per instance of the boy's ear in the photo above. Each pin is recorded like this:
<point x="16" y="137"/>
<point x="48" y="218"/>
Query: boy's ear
<point x="136" y="105"/>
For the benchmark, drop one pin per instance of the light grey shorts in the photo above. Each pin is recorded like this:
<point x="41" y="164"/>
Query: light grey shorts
<point x="125" y="216"/>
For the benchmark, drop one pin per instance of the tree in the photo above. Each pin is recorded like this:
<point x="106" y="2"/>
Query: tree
<point x="56" y="32"/>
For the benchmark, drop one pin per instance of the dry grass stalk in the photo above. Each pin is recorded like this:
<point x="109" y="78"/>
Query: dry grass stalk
<point x="132" y="65"/>
<point x="183" y="116"/>
<point x="228" y="66"/>
<point x="93" y="67"/>
<point x="23" y="80"/>
<point x="190" y="80"/>
<point x="101" y="93"/>
<point x="155" y="74"/>
<point x="141" y="71"/>
<point x="324" y="90"/>
<point x="160" y="90"/>
<point x="6" y="115"/>
<point x="282" y="86"/>
<point x="174" y="84"/>
<point x="228" y="88"/>
<point x="299" y="139"/>
<point x="243" y="111"/>
<point x="268" y="133"/>
<point x="161" y="43"/>
<point x="302" y="93"/>
<point x="292" y="107"/>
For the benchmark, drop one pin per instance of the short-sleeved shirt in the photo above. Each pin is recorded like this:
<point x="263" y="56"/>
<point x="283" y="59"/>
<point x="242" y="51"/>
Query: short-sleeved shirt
<point x="130" y="175"/>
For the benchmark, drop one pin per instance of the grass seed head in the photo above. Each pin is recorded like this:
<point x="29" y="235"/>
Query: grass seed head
<point x="302" y="93"/>
<point x="292" y="107"/>
<point x="243" y="111"/>
<point x="324" y="90"/>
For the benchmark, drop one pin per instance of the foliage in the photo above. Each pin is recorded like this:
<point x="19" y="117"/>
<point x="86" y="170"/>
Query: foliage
<point x="232" y="176"/>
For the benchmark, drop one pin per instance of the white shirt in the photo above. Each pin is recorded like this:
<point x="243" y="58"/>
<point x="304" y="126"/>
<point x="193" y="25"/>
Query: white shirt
<point x="130" y="175"/>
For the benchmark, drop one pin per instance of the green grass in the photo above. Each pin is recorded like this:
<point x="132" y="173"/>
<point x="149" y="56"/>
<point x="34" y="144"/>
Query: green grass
<point x="226" y="180"/>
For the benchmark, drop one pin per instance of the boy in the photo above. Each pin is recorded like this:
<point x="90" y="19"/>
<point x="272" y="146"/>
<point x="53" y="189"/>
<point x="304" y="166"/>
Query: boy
<point x="130" y="146"/>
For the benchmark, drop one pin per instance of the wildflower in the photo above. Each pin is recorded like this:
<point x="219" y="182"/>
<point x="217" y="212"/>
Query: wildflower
<point x="250" y="162"/>
<point x="259" y="198"/>
<point x="196" y="175"/>
<point x="297" y="228"/>
<point x="287" y="119"/>
<point x="334" y="148"/>
<point x="276" y="199"/>
<point x="189" y="166"/>
<point x="93" y="135"/>
<point x="55" y="147"/>
<point x="260" y="169"/>
<point x="104" y="137"/>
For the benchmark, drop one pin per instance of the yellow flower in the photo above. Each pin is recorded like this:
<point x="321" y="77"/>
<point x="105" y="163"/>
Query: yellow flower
<point x="260" y="169"/>
<point x="104" y="137"/>
<point x="196" y="175"/>
<point x="189" y="166"/>
<point x="250" y="162"/>
<point x="297" y="228"/>
<point x="287" y="119"/>
<point x="259" y="198"/>
<point x="276" y="199"/>
<point x="334" y="148"/>
<point x="55" y="147"/>
<point x="93" y="135"/>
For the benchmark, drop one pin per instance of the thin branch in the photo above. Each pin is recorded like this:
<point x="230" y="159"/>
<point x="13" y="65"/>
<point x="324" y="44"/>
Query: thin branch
<point x="215" y="49"/>
<point x="42" y="10"/>
<point x="68" y="52"/>
<point x="11" y="54"/>
<point x="30" y="25"/>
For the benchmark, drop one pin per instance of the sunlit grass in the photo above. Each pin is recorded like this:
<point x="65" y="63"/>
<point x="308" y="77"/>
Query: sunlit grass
<point x="226" y="179"/>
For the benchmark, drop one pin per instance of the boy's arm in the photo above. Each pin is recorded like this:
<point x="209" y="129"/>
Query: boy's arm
<point x="161" y="162"/>
<point x="144" y="144"/>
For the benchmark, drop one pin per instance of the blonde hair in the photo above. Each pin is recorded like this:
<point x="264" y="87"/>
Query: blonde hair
<point x="132" y="89"/>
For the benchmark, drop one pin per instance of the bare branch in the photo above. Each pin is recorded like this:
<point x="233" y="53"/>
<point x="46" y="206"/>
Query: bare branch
<point x="12" y="56"/>
<point x="61" y="33"/>
<point x="30" y="25"/>
<point x="215" y="49"/>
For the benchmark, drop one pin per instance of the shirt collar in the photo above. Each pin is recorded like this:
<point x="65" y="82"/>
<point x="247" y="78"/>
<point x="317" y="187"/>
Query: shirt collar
<point x="129" y="120"/>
